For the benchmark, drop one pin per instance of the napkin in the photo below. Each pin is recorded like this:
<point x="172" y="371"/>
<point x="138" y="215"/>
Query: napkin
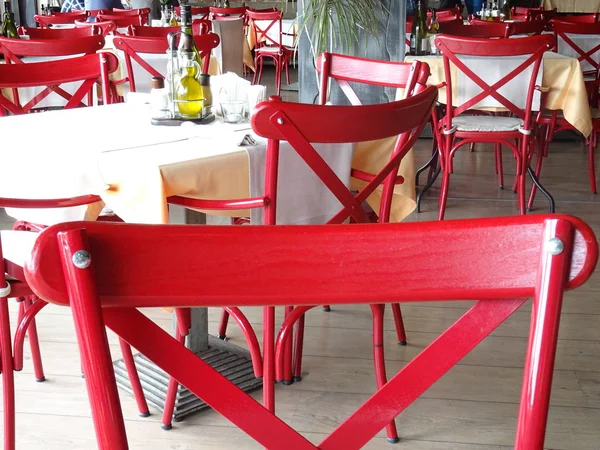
<point x="228" y="87"/>
<point x="256" y="94"/>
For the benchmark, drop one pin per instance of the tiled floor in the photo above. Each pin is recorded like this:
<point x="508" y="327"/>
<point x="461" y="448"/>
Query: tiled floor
<point x="472" y="408"/>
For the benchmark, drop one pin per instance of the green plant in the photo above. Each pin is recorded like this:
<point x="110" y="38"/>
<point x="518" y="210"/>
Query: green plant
<point x="337" y="24"/>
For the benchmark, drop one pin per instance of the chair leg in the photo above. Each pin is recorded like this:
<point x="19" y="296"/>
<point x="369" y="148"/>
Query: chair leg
<point x="134" y="378"/>
<point x="538" y="171"/>
<point x="379" y="361"/>
<point x="591" y="162"/>
<point x="287" y="362"/>
<point x="8" y="382"/>
<point x="444" y="194"/>
<point x="36" y="356"/>
<point x="222" y="333"/>
<point x="400" y="332"/>
<point x="521" y="182"/>
<point x="326" y="308"/>
<point x="472" y="147"/>
<point x="171" y="396"/>
<point x="278" y="69"/>
<point x="298" y="348"/>
<point x="269" y="358"/>
<point x="499" y="168"/>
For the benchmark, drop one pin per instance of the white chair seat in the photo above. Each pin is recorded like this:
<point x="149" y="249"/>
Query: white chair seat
<point x="486" y="123"/>
<point x="17" y="245"/>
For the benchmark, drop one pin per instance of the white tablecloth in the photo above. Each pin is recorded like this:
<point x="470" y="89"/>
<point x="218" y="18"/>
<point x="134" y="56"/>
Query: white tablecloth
<point x="85" y="149"/>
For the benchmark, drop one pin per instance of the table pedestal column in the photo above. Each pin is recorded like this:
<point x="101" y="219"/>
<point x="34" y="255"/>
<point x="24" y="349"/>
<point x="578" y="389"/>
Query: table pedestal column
<point x="230" y="360"/>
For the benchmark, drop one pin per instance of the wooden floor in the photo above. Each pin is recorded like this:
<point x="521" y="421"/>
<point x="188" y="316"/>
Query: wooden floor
<point x="474" y="407"/>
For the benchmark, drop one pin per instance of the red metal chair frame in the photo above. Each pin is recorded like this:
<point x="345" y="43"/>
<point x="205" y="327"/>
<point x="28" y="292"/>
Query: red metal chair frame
<point x="451" y="46"/>
<point x="554" y="123"/>
<point x="122" y="20"/>
<point x="84" y="264"/>
<point x="202" y="11"/>
<point x="92" y="12"/>
<point x="13" y="49"/>
<point x="151" y="32"/>
<point x="104" y="28"/>
<point x="562" y="29"/>
<point x="584" y="18"/>
<point x="59" y="19"/>
<point x="300" y="125"/>
<point x="57" y="33"/>
<point x="131" y="46"/>
<point x="267" y="47"/>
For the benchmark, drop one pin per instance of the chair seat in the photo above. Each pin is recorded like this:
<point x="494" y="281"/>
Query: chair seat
<point x="17" y="245"/>
<point x="486" y="123"/>
<point x="272" y="50"/>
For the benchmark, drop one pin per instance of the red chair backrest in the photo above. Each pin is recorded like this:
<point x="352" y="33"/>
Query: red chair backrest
<point x="523" y="10"/>
<point x="544" y="15"/>
<point x="507" y="29"/>
<point x="216" y="12"/>
<point x="103" y="28"/>
<point x="490" y="30"/>
<point x="349" y="69"/>
<point x="131" y="12"/>
<point x="106" y="271"/>
<point x="201" y="26"/>
<point x="153" y="32"/>
<point x="12" y="48"/>
<point x="92" y="12"/>
<point x="202" y="11"/>
<point x="450" y="18"/>
<point x="133" y="46"/>
<point x="57" y="33"/>
<point x="122" y="20"/>
<point x="262" y="23"/>
<point x="60" y="19"/>
<point x="87" y="69"/>
<point x="565" y="33"/>
<point x="584" y="18"/>
<point x="530" y="48"/>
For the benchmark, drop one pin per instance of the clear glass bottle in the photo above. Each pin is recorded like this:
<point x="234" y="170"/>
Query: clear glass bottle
<point x="164" y="15"/>
<point x="506" y="10"/>
<point x="186" y="27"/>
<point x="434" y="29"/>
<point x="189" y="94"/>
<point x="488" y="12"/>
<point x="418" y="33"/>
<point x="495" y="10"/>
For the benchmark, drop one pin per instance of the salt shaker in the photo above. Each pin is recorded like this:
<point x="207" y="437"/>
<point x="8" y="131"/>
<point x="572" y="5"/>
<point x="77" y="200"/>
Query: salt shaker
<point x="159" y="98"/>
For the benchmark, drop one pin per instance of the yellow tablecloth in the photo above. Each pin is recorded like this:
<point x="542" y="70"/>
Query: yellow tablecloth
<point x="562" y="75"/>
<point x="580" y="6"/>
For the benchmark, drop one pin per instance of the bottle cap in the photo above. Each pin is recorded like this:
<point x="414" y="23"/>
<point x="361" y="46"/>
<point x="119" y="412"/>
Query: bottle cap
<point x="158" y="83"/>
<point x="204" y="79"/>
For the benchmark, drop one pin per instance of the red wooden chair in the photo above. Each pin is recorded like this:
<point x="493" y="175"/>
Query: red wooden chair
<point x="584" y="18"/>
<point x="508" y="28"/>
<point x="151" y="32"/>
<point x="15" y="247"/>
<point x="461" y="127"/>
<point x="59" y="19"/>
<point x="268" y="47"/>
<point x="92" y="12"/>
<point x="57" y="33"/>
<point x="217" y="12"/>
<point x="131" y="12"/>
<point x="300" y="125"/>
<point x="202" y="11"/>
<point x="103" y="28"/>
<point x="123" y="20"/>
<point x="14" y="49"/>
<point x="133" y="46"/>
<point x="82" y="265"/>
<point x="553" y="121"/>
